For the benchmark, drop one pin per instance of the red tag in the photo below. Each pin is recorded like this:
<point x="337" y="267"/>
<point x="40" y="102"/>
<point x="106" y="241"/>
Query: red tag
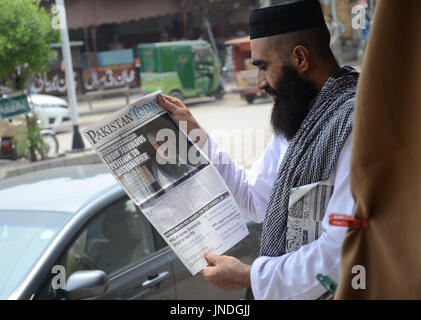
<point x="343" y="220"/>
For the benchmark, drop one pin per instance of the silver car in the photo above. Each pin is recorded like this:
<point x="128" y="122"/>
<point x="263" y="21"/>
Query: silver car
<point x="77" y="224"/>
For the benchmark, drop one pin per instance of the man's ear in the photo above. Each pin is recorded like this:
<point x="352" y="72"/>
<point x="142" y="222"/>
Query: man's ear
<point x="300" y="59"/>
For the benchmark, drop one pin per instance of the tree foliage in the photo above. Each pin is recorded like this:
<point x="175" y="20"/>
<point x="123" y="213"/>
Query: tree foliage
<point x="26" y="33"/>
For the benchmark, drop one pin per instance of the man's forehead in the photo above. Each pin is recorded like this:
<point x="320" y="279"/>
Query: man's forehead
<point x="261" y="49"/>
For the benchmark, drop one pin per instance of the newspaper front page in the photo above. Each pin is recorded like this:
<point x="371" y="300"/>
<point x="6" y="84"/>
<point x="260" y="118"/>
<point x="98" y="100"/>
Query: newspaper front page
<point x="169" y="178"/>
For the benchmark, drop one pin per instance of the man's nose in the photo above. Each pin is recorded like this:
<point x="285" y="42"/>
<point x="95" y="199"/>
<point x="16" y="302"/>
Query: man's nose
<point x="261" y="81"/>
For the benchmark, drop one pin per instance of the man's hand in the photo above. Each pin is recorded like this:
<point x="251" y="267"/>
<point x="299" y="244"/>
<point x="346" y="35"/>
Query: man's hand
<point x="226" y="272"/>
<point x="180" y="112"/>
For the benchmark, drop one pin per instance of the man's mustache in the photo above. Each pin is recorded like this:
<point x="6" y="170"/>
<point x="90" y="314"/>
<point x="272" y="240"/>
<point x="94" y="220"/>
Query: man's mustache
<point x="269" y="90"/>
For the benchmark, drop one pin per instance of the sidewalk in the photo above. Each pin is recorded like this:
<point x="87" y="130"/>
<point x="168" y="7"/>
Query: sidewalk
<point x="108" y="105"/>
<point x="100" y="106"/>
<point x="15" y="168"/>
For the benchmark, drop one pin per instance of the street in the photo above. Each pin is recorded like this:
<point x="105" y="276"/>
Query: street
<point x="243" y="130"/>
<point x="320" y="210"/>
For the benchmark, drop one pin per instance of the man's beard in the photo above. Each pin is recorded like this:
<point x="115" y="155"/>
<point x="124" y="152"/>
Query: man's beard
<point x="292" y="103"/>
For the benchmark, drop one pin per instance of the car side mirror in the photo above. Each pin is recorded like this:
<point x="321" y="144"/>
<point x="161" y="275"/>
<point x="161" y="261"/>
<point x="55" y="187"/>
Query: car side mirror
<point x="86" y="284"/>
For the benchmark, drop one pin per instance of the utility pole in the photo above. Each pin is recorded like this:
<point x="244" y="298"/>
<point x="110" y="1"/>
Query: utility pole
<point x="208" y="27"/>
<point x="77" y="144"/>
<point x="332" y="5"/>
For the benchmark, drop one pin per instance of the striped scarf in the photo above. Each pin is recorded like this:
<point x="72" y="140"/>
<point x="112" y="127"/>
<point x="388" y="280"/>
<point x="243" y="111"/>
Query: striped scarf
<point x="312" y="153"/>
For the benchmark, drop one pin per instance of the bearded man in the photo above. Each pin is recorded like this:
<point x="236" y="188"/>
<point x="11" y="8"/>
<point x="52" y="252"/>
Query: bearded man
<point x="303" y="175"/>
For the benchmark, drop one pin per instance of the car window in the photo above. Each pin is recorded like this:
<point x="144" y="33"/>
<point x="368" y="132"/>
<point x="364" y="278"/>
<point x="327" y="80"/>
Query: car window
<point x="116" y="238"/>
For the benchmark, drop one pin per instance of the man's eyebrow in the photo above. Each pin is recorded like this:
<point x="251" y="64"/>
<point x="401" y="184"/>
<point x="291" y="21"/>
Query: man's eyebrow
<point x="257" y="62"/>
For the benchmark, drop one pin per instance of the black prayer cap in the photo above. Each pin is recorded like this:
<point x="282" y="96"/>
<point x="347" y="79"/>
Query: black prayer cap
<point x="287" y="17"/>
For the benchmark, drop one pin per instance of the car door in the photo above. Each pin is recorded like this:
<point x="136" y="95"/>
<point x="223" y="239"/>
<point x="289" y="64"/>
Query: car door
<point x="148" y="273"/>
<point x="119" y="241"/>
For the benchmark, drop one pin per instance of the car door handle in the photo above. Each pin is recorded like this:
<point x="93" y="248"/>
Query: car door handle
<point x="160" y="277"/>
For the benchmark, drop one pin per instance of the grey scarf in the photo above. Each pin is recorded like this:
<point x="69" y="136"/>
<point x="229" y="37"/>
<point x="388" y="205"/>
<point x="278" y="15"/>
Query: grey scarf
<point x="312" y="153"/>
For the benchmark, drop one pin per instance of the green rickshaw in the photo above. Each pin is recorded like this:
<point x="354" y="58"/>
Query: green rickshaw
<point x="182" y="69"/>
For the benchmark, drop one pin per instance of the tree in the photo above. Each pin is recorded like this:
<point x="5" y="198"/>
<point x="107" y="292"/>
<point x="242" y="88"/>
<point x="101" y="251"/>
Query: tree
<point x="26" y="33"/>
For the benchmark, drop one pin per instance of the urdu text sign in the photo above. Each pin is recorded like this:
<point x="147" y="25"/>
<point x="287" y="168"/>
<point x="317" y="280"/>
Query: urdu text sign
<point x="13" y="106"/>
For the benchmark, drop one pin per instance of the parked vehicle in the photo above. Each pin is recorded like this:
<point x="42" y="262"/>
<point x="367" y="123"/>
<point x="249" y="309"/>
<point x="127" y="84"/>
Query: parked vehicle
<point x="181" y="68"/>
<point x="245" y="72"/>
<point x="51" y="110"/>
<point x="8" y="150"/>
<point x="80" y="219"/>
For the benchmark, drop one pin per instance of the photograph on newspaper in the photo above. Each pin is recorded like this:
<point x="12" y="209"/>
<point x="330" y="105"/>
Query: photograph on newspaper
<point x="143" y="164"/>
<point x="170" y="179"/>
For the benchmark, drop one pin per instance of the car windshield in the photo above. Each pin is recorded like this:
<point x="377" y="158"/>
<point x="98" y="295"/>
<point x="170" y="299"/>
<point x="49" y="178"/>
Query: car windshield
<point x="202" y="53"/>
<point x="51" y="105"/>
<point x="23" y="238"/>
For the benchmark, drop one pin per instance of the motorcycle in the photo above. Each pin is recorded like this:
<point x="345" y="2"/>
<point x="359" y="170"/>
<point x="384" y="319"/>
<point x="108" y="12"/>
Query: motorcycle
<point x="7" y="149"/>
<point x="49" y="150"/>
<point x="50" y="140"/>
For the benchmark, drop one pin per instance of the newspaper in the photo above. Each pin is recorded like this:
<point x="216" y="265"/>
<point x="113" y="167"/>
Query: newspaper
<point x="170" y="179"/>
<point x="307" y="206"/>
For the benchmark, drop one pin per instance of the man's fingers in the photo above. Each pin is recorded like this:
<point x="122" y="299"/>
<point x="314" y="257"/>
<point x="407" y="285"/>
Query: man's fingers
<point x="175" y="101"/>
<point x="170" y="98"/>
<point x="211" y="258"/>
<point x="208" y="271"/>
<point x="166" y="104"/>
<point x="178" y="111"/>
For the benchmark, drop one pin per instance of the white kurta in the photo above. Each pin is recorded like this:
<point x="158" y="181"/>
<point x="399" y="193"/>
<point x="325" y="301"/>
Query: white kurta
<point x="293" y="275"/>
